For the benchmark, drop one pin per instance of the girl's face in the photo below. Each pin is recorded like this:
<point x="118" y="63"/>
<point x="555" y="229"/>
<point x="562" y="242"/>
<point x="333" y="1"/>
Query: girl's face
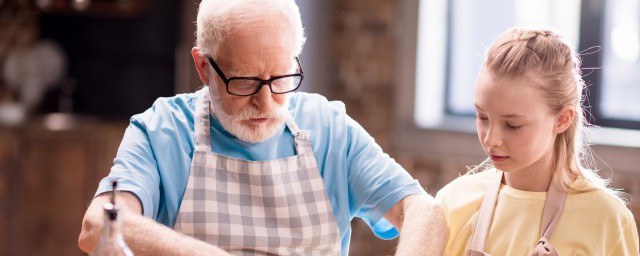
<point x="515" y="126"/>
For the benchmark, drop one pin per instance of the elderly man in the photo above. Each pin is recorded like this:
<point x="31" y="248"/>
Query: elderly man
<point x="247" y="166"/>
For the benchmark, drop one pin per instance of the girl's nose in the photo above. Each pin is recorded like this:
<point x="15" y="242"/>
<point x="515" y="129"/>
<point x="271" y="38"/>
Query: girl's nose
<point x="493" y="137"/>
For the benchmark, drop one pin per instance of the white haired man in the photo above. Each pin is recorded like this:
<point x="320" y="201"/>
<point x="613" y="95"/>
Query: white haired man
<point x="247" y="166"/>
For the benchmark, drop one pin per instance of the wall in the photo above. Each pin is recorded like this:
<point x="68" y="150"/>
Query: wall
<point x="363" y="55"/>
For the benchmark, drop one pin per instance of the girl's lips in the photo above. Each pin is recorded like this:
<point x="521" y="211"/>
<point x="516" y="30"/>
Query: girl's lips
<point x="498" y="158"/>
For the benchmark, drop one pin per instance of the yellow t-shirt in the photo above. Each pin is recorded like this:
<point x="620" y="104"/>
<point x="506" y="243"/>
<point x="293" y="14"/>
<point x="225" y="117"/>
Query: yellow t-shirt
<point x="592" y="223"/>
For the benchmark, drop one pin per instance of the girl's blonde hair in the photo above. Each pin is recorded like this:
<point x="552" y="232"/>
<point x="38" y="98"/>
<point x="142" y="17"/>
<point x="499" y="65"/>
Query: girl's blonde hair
<point x="554" y="67"/>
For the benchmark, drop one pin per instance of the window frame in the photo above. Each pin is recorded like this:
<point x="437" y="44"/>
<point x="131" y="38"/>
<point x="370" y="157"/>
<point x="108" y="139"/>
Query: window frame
<point x="456" y="134"/>
<point x="591" y="34"/>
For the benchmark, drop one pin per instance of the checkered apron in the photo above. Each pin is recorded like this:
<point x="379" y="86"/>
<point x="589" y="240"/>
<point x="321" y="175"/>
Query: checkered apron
<point x="277" y="207"/>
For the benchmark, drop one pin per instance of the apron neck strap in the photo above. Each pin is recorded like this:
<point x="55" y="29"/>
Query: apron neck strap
<point x="553" y="207"/>
<point x="202" y="126"/>
<point x="485" y="216"/>
<point x="302" y="139"/>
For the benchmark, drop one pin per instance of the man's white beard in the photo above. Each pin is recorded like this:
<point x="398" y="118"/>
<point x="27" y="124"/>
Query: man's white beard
<point x="254" y="133"/>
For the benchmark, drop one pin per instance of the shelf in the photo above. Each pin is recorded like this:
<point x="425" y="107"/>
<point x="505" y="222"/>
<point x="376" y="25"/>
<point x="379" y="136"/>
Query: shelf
<point x="97" y="8"/>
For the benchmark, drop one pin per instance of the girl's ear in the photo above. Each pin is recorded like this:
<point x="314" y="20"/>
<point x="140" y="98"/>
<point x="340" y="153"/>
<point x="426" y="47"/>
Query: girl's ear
<point x="564" y="119"/>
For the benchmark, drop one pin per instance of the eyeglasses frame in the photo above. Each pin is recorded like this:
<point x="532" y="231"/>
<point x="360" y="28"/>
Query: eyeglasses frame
<point x="262" y="81"/>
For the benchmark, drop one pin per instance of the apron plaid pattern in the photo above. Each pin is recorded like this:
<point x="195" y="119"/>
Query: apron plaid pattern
<point x="277" y="207"/>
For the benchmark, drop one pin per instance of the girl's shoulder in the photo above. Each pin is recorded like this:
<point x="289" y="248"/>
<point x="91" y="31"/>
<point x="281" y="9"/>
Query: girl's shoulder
<point x="467" y="185"/>
<point x="600" y="203"/>
<point x="481" y="179"/>
<point x="583" y="190"/>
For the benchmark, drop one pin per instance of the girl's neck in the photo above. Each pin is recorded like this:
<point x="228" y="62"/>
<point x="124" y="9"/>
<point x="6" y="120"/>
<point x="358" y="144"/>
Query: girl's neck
<point x="535" y="177"/>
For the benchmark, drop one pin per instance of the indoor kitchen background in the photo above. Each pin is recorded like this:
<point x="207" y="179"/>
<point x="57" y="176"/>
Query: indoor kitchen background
<point x="74" y="71"/>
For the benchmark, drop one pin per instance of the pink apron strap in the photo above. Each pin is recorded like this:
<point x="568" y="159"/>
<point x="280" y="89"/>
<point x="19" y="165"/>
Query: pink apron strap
<point x="485" y="216"/>
<point x="553" y="207"/>
<point x="473" y="252"/>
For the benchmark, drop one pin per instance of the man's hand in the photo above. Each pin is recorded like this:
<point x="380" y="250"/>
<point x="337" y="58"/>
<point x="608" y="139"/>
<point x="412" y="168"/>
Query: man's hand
<point x="423" y="228"/>
<point x="143" y="235"/>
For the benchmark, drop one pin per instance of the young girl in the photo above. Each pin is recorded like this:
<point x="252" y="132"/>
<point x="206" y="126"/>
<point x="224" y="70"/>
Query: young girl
<point x="535" y="194"/>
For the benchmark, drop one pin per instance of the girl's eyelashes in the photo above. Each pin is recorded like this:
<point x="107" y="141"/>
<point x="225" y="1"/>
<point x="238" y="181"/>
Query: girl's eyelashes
<point x="513" y="127"/>
<point x="485" y="119"/>
<point x="479" y="117"/>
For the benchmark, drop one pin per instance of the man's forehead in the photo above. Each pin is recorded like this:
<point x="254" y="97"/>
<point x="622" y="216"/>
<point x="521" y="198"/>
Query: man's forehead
<point x="245" y="67"/>
<point x="259" y="37"/>
<point x="262" y="23"/>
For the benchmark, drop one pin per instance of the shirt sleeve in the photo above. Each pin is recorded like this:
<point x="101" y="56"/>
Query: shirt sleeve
<point x="376" y="181"/>
<point x="135" y="168"/>
<point x="627" y="239"/>
<point x="442" y="198"/>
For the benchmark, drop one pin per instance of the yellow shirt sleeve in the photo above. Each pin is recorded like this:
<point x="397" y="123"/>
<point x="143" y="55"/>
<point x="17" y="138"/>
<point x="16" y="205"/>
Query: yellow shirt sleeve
<point x="627" y="242"/>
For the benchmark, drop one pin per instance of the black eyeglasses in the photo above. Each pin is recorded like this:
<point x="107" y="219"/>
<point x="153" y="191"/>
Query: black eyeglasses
<point x="247" y="86"/>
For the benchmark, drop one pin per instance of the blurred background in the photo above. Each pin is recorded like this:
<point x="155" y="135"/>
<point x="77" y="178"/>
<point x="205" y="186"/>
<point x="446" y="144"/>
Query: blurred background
<point x="73" y="71"/>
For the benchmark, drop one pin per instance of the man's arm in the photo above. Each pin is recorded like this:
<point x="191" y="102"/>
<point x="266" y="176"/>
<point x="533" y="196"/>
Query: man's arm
<point x="143" y="235"/>
<point x="422" y="226"/>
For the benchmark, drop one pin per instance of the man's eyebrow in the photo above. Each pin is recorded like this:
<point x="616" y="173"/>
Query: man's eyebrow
<point x="241" y="74"/>
<point x="248" y="74"/>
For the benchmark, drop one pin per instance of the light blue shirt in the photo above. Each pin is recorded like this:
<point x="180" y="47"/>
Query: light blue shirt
<point x="154" y="159"/>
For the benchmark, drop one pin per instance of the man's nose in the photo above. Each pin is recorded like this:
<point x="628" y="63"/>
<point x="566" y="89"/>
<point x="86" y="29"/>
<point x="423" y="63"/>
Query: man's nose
<point x="263" y="100"/>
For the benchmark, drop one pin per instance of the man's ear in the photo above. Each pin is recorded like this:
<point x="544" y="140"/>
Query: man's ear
<point x="201" y="64"/>
<point x="564" y="119"/>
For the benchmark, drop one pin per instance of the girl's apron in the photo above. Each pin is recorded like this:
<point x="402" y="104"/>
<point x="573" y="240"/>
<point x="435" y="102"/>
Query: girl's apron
<point x="277" y="207"/>
<point x="551" y="213"/>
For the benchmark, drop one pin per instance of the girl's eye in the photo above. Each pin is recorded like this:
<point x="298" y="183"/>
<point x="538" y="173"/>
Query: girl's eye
<point x="481" y="118"/>
<point x="513" y="127"/>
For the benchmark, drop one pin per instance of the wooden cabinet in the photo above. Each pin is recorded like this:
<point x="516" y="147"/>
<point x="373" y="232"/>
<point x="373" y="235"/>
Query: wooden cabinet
<point x="52" y="176"/>
<point x="8" y="156"/>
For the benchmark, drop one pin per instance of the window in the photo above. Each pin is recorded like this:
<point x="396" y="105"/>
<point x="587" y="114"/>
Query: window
<point x="613" y="24"/>
<point x="454" y="35"/>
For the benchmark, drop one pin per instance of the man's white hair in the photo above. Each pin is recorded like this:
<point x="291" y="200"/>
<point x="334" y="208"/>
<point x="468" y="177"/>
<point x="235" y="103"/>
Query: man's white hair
<point x="216" y="18"/>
